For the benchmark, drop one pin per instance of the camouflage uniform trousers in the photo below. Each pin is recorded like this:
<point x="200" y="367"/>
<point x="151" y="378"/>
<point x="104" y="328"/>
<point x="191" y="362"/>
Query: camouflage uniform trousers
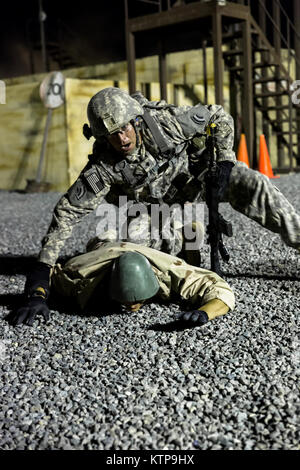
<point x="254" y="195"/>
<point x="249" y="192"/>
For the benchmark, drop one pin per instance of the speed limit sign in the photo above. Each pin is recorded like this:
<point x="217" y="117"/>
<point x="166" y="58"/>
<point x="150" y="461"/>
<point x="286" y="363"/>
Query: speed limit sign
<point x="52" y="91"/>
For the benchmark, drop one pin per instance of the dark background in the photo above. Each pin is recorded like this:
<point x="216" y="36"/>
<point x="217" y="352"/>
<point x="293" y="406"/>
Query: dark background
<point x="83" y="33"/>
<point x="86" y="33"/>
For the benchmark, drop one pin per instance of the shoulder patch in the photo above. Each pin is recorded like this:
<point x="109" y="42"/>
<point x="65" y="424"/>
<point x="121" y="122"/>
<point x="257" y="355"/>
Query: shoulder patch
<point x="80" y="190"/>
<point x="194" y="120"/>
<point x="94" y="180"/>
<point x="198" y="119"/>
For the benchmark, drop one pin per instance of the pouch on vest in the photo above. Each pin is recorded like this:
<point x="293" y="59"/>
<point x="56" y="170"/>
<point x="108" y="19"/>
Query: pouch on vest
<point x="194" y="121"/>
<point x="165" y="147"/>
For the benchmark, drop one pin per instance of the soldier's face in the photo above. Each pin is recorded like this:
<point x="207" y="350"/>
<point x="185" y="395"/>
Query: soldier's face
<point x="123" y="141"/>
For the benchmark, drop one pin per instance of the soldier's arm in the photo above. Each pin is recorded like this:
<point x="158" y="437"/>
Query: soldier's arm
<point x="194" y="120"/>
<point x="210" y="294"/>
<point x="209" y="311"/>
<point x="82" y="198"/>
<point x="224" y="135"/>
<point x="214" y="308"/>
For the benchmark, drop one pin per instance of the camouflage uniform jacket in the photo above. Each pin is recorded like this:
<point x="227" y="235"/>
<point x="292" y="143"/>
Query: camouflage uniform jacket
<point x="82" y="276"/>
<point x="146" y="175"/>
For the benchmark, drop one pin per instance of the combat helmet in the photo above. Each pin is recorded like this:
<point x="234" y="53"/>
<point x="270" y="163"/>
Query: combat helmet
<point x="110" y="109"/>
<point x="132" y="278"/>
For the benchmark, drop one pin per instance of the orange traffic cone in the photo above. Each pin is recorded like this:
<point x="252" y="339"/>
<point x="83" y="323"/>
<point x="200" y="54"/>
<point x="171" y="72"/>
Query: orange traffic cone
<point x="264" y="163"/>
<point x="242" y="155"/>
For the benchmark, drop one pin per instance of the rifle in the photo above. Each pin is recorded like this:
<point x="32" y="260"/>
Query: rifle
<point x="217" y="225"/>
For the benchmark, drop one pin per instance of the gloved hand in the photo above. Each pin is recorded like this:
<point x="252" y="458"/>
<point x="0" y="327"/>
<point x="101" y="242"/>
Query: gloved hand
<point x="36" y="292"/>
<point x="38" y="277"/>
<point x="36" y="305"/>
<point x="194" y="317"/>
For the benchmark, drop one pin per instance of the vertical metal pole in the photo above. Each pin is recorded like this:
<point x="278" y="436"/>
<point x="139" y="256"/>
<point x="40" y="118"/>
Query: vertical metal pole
<point x="247" y="98"/>
<point x="233" y="104"/>
<point x="162" y="71"/>
<point x="175" y="94"/>
<point x="130" y="53"/>
<point x="204" y="63"/>
<point x="233" y="99"/>
<point x="278" y="99"/>
<point x="297" y="53"/>
<point x="290" y="101"/>
<point x="42" y="18"/>
<point x="44" y="145"/>
<point x="218" y="56"/>
<point x="264" y="71"/>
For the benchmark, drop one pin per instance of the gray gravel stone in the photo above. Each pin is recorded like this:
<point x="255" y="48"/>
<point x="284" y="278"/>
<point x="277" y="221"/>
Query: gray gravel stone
<point x="116" y="382"/>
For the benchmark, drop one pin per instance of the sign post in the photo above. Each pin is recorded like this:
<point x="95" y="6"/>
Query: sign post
<point x="52" y="94"/>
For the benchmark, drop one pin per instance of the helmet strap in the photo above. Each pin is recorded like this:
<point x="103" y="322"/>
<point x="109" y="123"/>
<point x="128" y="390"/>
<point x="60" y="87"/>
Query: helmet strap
<point x="136" y="125"/>
<point x="87" y="132"/>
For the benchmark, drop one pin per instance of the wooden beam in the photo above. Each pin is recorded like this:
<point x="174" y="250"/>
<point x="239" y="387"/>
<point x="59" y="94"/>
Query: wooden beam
<point x="297" y="53"/>
<point x="130" y="52"/>
<point x="264" y="58"/>
<point x="218" y="57"/>
<point x="130" y="46"/>
<point x="185" y="13"/>
<point x="277" y="45"/>
<point x="162" y="71"/>
<point x="204" y="66"/>
<point x="247" y="98"/>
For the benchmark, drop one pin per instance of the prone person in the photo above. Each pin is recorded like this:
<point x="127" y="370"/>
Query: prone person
<point x="131" y="274"/>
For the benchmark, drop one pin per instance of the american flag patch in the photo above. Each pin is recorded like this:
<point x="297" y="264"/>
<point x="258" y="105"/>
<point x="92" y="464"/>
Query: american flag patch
<point x="94" y="180"/>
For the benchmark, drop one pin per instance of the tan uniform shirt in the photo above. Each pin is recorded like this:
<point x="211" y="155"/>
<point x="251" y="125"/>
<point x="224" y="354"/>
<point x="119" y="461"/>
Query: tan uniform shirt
<point x="82" y="275"/>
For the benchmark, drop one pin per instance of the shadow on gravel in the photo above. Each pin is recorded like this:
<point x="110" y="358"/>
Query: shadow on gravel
<point x="60" y="305"/>
<point x="13" y="302"/>
<point x="15" y="264"/>
<point x="267" y="277"/>
<point x="99" y="309"/>
<point x="175" y="325"/>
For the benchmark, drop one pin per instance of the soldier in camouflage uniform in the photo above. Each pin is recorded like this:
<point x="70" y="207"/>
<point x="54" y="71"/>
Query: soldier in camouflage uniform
<point x="153" y="152"/>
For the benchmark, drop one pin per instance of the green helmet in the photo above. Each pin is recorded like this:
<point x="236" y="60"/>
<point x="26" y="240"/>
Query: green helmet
<point x="132" y="278"/>
<point x="110" y="109"/>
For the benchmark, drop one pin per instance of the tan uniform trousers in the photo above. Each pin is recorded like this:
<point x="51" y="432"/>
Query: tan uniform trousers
<point x="81" y="276"/>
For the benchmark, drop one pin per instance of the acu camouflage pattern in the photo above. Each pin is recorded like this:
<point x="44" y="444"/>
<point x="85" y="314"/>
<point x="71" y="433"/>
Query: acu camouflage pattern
<point x="254" y="195"/>
<point x="111" y="109"/>
<point x="152" y="177"/>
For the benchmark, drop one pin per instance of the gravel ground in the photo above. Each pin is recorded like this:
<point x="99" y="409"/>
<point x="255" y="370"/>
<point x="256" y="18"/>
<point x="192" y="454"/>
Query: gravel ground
<point x="122" y="381"/>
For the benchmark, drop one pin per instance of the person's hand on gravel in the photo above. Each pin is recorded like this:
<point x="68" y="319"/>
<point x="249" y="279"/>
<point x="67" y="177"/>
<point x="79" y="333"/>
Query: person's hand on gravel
<point x="193" y="317"/>
<point x="36" y="292"/>
<point x="27" y="314"/>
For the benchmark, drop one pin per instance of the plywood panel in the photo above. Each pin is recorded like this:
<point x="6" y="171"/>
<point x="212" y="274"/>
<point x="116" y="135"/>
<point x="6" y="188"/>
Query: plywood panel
<point x="22" y="123"/>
